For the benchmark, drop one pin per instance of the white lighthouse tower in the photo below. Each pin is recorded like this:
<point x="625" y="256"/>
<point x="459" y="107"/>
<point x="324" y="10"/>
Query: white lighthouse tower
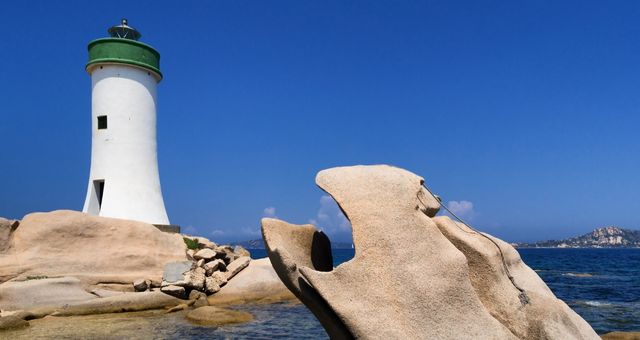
<point x="124" y="181"/>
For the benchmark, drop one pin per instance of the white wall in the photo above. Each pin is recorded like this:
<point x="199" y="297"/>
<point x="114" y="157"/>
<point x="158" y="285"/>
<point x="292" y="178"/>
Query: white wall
<point x="125" y="154"/>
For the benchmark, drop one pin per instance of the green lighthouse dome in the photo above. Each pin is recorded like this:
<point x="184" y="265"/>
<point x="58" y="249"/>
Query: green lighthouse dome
<point x="123" y="47"/>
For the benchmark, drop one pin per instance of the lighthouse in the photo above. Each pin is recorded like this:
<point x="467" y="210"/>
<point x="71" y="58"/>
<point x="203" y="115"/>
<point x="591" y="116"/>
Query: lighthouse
<point x="124" y="181"/>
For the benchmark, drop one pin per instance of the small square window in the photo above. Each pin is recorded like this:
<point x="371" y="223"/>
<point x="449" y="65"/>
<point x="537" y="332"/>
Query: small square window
<point x="102" y="122"/>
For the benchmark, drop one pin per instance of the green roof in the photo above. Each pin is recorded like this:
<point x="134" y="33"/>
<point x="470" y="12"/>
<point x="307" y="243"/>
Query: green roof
<point x="124" y="51"/>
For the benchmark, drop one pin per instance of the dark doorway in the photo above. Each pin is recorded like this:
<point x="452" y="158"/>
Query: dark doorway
<point x="98" y="186"/>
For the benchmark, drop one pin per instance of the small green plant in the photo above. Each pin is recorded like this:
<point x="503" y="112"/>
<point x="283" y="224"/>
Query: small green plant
<point x="191" y="243"/>
<point x="36" y="277"/>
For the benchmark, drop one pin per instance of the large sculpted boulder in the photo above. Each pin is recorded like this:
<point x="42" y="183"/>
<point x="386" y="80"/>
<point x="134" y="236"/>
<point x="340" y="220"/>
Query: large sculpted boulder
<point x="94" y="249"/>
<point x="414" y="275"/>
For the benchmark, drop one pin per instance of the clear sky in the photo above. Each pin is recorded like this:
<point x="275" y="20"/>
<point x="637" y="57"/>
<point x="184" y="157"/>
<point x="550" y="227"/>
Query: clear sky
<point x="522" y="115"/>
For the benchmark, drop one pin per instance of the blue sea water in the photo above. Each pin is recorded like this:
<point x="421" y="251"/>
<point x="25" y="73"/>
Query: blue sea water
<point x="602" y="285"/>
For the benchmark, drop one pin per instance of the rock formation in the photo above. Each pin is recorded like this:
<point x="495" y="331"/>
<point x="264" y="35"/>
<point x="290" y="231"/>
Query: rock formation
<point x="414" y="275"/>
<point x="94" y="249"/>
<point x="256" y="283"/>
<point x="210" y="267"/>
<point x="71" y="263"/>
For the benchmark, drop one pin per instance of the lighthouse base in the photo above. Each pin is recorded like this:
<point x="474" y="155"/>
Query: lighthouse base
<point x="168" y="228"/>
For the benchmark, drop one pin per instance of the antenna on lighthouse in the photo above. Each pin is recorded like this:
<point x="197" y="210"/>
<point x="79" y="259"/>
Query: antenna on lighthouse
<point x="124" y="31"/>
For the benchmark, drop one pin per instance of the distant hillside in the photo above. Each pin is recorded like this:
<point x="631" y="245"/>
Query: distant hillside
<point x="259" y="244"/>
<point x="606" y="237"/>
<point x="251" y="244"/>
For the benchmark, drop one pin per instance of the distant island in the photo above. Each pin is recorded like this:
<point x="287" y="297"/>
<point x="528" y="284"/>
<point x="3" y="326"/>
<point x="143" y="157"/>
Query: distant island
<point x="259" y="244"/>
<point x="605" y="237"/>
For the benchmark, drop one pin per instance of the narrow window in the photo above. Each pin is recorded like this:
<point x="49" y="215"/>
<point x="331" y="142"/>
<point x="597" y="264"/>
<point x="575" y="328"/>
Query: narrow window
<point x="99" y="188"/>
<point x="102" y="122"/>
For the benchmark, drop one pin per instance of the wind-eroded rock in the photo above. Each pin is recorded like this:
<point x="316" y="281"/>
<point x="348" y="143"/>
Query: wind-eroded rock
<point x="92" y="248"/>
<point x="413" y="276"/>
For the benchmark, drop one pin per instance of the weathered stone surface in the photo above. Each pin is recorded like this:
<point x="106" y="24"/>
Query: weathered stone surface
<point x="214" y="265"/>
<point x="541" y="317"/>
<point x="141" y="285"/>
<point x="118" y="287"/>
<point x="256" y="283"/>
<point x="6" y="229"/>
<point x="241" y="251"/>
<point x="415" y="274"/>
<point x="200" y="263"/>
<point x="176" y="291"/>
<point x="92" y="248"/>
<point x="16" y="295"/>
<point x="127" y="302"/>
<point x="12" y="322"/>
<point x="216" y="316"/>
<point x="226" y="254"/>
<point x="195" y="278"/>
<point x="102" y="293"/>
<point x="199" y="298"/>
<point x="211" y="285"/>
<point x="220" y="278"/>
<point x="204" y="243"/>
<point x="205" y="254"/>
<point x="175" y="271"/>
<point x="236" y="266"/>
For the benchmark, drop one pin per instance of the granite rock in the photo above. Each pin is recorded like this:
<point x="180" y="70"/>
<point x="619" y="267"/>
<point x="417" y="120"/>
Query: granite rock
<point x="177" y="291"/>
<point x="211" y="285"/>
<point x="236" y="266"/>
<point x="175" y="272"/>
<point x="205" y="254"/>
<point x="418" y="278"/>
<point x="141" y="285"/>
<point x="91" y="248"/>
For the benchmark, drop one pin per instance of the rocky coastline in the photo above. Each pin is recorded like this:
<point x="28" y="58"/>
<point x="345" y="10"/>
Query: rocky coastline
<point x="605" y="237"/>
<point x="66" y="263"/>
<point x="436" y="278"/>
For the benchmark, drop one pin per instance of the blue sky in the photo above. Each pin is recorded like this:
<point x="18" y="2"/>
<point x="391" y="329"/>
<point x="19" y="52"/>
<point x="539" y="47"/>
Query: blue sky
<point x="522" y="115"/>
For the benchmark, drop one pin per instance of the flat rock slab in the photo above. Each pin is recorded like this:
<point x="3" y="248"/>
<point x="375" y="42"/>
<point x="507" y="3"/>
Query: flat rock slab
<point x="236" y="266"/>
<point x="176" y="291"/>
<point x="15" y="295"/>
<point x="205" y="254"/>
<point x="174" y="271"/>
<point x="256" y="283"/>
<point x="216" y="316"/>
<point x="126" y="302"/>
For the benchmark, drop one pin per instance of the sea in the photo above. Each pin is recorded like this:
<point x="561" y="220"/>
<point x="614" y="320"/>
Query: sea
<point x="602" y="285"/>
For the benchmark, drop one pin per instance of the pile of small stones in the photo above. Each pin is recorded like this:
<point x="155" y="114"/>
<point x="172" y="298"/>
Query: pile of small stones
<point x="209" y="268"/>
